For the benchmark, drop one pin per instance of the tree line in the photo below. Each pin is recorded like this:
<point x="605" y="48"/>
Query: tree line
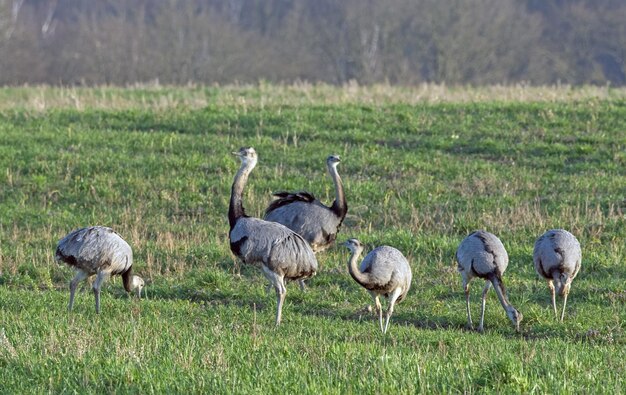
<point x="401" y="42"/>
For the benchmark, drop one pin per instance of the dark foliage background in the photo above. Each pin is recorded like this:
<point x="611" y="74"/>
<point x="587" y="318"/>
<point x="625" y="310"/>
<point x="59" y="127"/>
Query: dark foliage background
<point x="334" y="41"/>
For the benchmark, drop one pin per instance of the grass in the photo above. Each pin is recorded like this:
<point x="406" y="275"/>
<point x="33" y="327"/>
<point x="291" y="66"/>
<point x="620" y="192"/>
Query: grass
<point x="419" y="175"/>
<point x="158" y="97"/>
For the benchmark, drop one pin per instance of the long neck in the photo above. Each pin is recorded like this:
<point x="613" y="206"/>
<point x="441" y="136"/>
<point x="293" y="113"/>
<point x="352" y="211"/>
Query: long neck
<point x="339" y="207"/>
<point x="560" y="281"/>
<point x="127" y="279"/>
<point x="353" y="269"/>
<point x="501" y="292"/>
<point x="235" y="209"/>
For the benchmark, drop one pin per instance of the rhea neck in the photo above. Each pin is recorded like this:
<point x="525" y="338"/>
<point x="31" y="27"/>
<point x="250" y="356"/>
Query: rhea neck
<point x="235" y="209"/>
<point x="339" y="207"/>
<point x="127" y="279"/>
<point x="353" y="268"/>
<point x="500" y="292"/>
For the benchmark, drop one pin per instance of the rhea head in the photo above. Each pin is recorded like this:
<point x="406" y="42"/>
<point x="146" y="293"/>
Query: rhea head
<point x="562" y="284"/>
<point x="333" y="160"/>
<point x="247" y="155"/>
<point x="137" y="285"/>
<point x="515" y="317"/>
<point x="353" y="245"/>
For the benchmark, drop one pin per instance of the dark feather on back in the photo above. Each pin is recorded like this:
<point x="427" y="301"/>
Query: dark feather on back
<point x="69" y="259"/>
<point x="285" y="198"/>
<point x="235" y="247"/>
<point x="486" y="245"/>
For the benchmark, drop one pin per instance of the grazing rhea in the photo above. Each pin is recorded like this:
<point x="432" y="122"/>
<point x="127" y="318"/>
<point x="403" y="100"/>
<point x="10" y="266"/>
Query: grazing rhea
<point x="98" y="251"/>
<point x="384" y="271"/>
<point x="481" y="254"/>
<point x="557" y="258"/>
<point x="304" y="214"/>
<point x="277" y="250"/>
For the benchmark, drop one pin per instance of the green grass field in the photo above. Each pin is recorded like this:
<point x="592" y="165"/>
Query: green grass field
<point x="419" y="175"/>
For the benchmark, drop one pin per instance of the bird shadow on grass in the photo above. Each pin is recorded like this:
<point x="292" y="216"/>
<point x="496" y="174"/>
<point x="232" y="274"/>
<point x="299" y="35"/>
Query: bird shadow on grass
<point x="212" y="297"/>
<point x="540" y="295"/>
<point x="422" y="321"/>
<point x="264" y="303"/>
<point x="367" y="314"/>
<point x="313" y="303"/>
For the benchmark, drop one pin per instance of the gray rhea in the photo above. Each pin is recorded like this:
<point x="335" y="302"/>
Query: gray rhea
<point x="279" y="252"/>
<point x="301" y="212"/>
<point x="482" y="255"/>
<point x="557" y="258"/>
<point x="384" y="271"/>
<point x="99" y="251"/>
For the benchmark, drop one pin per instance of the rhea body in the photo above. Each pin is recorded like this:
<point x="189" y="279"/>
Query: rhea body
<point x="557" y="258"/>
<point x="384" y="271"/>
<point x="482" y="255"/>
<point x="279" y="252"/>
<point x="99" y="251"/>
<point x="301" y="212"/>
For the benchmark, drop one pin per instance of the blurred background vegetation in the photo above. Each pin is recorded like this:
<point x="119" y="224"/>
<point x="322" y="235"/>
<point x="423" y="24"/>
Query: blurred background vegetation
<point x="401" y="42"/>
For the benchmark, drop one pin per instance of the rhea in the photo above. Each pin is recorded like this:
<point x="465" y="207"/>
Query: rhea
<point x="384" y="271"/>
<point x="301" y="212"/>
<point x="482" y="255"/>
<point x="557" y="258"/>
<point x="99" y="251"/>
<point x="279" y="252"/>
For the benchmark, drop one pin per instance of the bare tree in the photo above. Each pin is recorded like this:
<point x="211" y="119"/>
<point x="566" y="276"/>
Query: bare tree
<point x="336" y="41"/>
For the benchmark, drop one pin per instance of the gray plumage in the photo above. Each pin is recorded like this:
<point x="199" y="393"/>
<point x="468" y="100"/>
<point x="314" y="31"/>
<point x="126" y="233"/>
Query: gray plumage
<point x="482" y="254"/>
<point x="557" y="258"/>
<point x="282" y="251"/>
<point x="278" y="251"/>
<point x="304" y="214"/>
<point x="99" y="251"/>
<point x="384" y="271"/>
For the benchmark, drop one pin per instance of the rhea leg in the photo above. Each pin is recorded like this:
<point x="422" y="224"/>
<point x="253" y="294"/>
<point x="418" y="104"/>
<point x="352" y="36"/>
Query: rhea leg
<point x="279" y="285"/>
<point x="467" y="304"/>
<point x="80" y="276"/>
<point x="379" y="309"/>
<point x="96" y="288"/>
<point x="553" y="295"/>
<point x="482" y="306"/>
<point x="270" y="286"/>
<point x="565" y="293"/>
<point x="281" y="292"/>
<point x="392" y="301"/>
